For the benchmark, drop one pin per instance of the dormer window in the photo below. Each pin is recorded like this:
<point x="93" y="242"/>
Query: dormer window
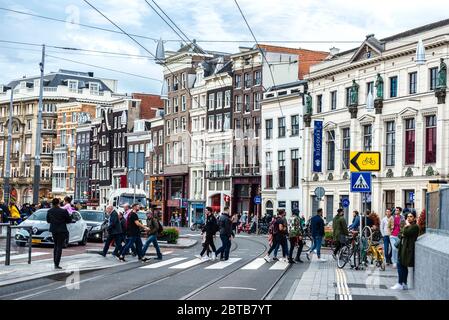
<point x="368" y="54"/>
<point x="36" y="83"/>
<point x="23" y="84"/>
<point x="94" y="88"/>
<point x="73" y="85"/>
<point x="139" y="126"/>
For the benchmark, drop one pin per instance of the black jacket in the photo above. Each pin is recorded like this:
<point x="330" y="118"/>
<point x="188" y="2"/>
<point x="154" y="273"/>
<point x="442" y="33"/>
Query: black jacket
<point x="225" y="225"/>
<point x="123" y="225"/>
<point x="58" y="219"/>
<point x="115" y="226"/>
<point x="211" y="226"/>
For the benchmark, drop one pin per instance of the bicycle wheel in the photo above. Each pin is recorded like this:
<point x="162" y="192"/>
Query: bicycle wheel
<point x="367" y="233"/>
<point x="308" y="243"/>
<point x="356" y="258"/>
<point x="343" y="256"/>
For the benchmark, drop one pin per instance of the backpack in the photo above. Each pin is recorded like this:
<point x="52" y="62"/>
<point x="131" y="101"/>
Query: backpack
<point x="274" y="227"/>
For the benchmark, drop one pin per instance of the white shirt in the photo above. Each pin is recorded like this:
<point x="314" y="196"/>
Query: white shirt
<point x="384" y="229"/>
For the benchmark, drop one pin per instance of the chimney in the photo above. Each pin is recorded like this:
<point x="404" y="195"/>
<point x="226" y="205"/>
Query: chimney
<point x="334" y="51"/>
<point x="91" y="74"/>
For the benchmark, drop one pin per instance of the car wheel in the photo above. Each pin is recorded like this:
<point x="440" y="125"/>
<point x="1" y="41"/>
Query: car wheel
<point x="84" y="241"/>
<point x="21" y="244"/>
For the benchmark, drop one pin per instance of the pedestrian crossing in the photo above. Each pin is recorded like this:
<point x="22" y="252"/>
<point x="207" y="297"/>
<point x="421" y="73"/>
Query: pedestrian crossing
<point x="24" y="256"/>
<point x="180" y="263"/>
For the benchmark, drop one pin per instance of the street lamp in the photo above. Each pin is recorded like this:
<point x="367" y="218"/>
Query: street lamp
<point x="7" y="176"/>
<point x="420" y="53"/>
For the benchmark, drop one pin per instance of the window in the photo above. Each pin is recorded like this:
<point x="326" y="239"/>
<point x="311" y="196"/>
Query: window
<point x="195" y="125"/>
<point x="269" y="173"/>
<point x="94" y="88"/>
<point x="410" y="141"/>
<point x="246" y="125"/>
<point x="348" y="96"/>
<point x="175" y="83"/>
<point x="281" y="127"/>
<point x="369" y="87"/>
<point x="168" y="127"/>
<point x="176" y="125"/>
<point x="247" y="78"/>
<point x="219" y="100"/>
<point x="390" y="143"/>
<point x="412" y="80"/>
<point x="257" y="78"/>
<point x="227" y="121"/>
<point x="64" y="117"/>
<point x="238" y="80"/>
<point x="154" y="164"/>
<point x="319" y="103"/>
<point x="167" y="107"/>
<point x="211" y="104"/>
<point x="237" y="124"/>
<point x="219" y="122"/>
<point x="183" y="80"/>
<point x="393" y="87"/>
<point x="295" y="167"/>
<point x="433" y="74"/>
<point x="431" y="139"/>
<point x="167" y="153"/>
<point x="281" y="165"/>
<point x="346" y="148"/>
<point x="73" y="85"/>
<point x="175" y="105"/>
<point x="63" y="138"/>
<point x="247" y="104"/>
<point x="183" y="124"/>
<point x="256" y="126"/>
<point x="29" y="125"/>
<point x="227" y="98"/>
<point x="211" y="123"/>
<point x="295" y="125"/>
<point x="256" y="98"/>
<point x="238" y="103"/>
<point x="168" y="84"/>
<point x="160" y="138"/>
<point x="268" y="128"/>
<point x="367" y="137"/>
<point x="183" y="103"/>
<point x="160" y="163"/>
<point x="330" y="150"/>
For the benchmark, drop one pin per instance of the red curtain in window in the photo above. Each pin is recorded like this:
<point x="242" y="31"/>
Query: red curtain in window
<point x="431" y="145"/>
<point x="410" y="147"/>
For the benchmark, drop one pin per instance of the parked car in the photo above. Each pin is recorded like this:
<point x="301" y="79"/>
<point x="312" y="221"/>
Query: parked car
<point x="40" y="230"/>
<point x="97" y="224"/>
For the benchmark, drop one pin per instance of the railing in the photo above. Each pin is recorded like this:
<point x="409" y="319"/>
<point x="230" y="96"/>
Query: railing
<point x="50" y="89"/>
<point x="238" y="171"/>
<point x="8" y="241"/>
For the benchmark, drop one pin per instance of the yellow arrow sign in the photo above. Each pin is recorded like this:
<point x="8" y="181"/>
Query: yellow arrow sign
<point x="364" y="161"/>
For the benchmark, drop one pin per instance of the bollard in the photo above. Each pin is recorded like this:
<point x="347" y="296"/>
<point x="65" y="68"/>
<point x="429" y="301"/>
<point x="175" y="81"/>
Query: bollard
<point x="8" y="246"/>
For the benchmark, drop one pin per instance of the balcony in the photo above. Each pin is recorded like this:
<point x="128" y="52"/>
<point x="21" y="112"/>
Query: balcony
<point x="22" y="180"/>
<point x="218" y="173"/>
<point x="246" y="171"/>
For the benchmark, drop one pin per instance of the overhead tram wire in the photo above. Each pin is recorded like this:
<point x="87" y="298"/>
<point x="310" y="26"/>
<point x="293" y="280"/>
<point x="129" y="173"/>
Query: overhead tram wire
<point x="263" y="54"/>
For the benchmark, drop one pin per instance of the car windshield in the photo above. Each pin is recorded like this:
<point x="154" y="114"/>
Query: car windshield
<point x="142" y="215"/>
<point x="129" y="198"/>
<point x="40" y="215"/>
<point x="92" y="215"/>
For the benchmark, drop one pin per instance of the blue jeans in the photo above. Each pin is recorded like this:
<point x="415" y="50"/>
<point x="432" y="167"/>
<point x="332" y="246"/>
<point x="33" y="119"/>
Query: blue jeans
<point x="394" y="250"/>
<point x="402" y="273"/>
<point x="129" y="242"/>
<point x="387" y="251"/>
<point x="152" y="240"/>
<point x="225" y="247"/>
<point x="317" y="245"/>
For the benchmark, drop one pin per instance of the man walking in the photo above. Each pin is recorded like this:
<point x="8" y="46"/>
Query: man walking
<point x="225" y="226"/>
<point x="153" y="225"/>
<point x="340" y="231"/>
<point x="317" y="226"/>
<point x="58" y="219"/>
<point x="385" y="228"/>
<point x="133" y="227"/>
<point x="210" y="228"/>
<point x="279" y="236"/>
<point x="114" y="232"/>
<point x="295" y="237"/>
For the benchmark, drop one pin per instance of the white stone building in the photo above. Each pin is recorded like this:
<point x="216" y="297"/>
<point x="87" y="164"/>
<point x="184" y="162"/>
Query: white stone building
<point x="408" y="127"/>
<point x="282" y="148"/>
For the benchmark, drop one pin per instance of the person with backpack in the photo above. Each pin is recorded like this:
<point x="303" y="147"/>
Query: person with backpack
<point x="155" y="228"/>
<point x="133" y="226"/>
<point x="210" y="229"/>
<point x="279" y="233"/>
<point x="317" y="226"/>
<point x="225" y="225"/>
<point x="295" y="237"/>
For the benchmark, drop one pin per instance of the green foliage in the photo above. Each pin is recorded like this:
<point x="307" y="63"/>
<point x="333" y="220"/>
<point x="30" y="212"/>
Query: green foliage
<point x="328" y="235"/>
<point x="170" y="234"/>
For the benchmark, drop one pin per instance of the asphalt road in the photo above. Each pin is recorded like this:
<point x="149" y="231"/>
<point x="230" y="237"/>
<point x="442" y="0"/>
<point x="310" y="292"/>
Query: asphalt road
<point x="179" y="276"/>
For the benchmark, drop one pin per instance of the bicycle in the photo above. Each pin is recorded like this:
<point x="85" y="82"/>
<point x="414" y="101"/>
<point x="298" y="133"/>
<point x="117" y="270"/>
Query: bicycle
<point x="369" y="161"/>
<point x="197" y="226"/>
<point x="350" y="250"/>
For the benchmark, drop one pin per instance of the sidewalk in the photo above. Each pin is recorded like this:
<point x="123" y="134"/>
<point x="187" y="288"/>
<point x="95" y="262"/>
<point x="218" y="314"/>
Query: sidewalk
<point x="20" y="272"/>
<point x="325" y="281"/>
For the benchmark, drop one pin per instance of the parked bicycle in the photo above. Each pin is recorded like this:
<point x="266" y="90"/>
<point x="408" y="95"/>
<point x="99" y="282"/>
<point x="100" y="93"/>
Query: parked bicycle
<point x="197" y="226"/>
<point x="350" y="252"/>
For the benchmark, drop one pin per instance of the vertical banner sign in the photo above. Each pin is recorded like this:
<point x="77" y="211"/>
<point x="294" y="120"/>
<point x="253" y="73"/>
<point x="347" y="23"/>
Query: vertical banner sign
<point x="317" y="145"/>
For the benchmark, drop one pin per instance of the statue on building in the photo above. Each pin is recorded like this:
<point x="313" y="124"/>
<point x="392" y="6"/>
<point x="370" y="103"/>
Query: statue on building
<point x="354" y="93"/>
<point x="442" y="74"/>
<point x="308" y="103"/>
<point x="379" y="87"/>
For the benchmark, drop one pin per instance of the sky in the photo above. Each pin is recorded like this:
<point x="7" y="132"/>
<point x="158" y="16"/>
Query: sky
<point x="310" y="24"/>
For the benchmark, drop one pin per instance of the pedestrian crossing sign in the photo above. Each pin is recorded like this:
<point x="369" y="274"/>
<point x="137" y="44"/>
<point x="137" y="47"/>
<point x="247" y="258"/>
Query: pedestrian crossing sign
<point x="360" y="181"/>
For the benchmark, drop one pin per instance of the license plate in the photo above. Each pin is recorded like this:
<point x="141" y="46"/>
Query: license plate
<point x="36" y="240"/>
